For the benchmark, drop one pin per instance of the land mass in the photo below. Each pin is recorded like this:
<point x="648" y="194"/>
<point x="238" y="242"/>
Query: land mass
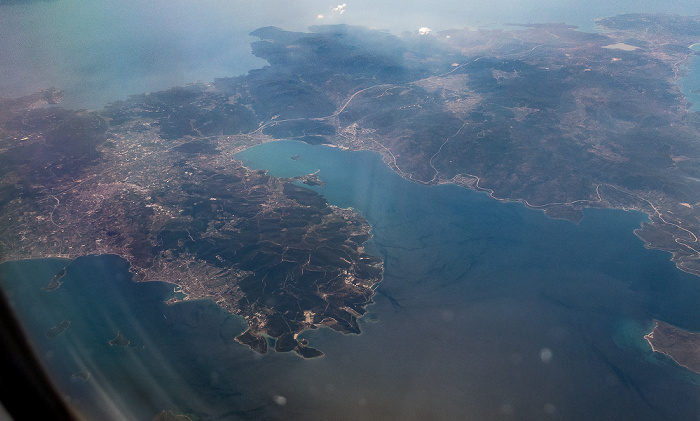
<point x="171" y="416"/>
<point x="58" y="329"/>
<point x="181" y="209"/>
<point x="681" y="346"/>
<point x="119" y="340"/>
<point x="545" y="115"/>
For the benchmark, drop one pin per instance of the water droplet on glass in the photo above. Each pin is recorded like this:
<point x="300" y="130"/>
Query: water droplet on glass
<point x="546" y="355"/>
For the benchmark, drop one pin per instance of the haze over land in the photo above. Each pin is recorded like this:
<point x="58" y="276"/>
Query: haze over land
<point x="558" y="120"/>
<point x="101" y="52"/>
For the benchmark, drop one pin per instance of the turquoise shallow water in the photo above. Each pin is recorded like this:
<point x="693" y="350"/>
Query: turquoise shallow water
<point x="487" y="311"/>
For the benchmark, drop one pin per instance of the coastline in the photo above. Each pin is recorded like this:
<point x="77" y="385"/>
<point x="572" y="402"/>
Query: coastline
<point x="679" y="345"/>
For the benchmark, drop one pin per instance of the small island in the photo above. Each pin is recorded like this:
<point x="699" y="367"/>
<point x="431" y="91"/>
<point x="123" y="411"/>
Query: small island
<point x="171" y="416"/>
<point x="56" y="280"/>
<point x="58" y="329"/>
<point x="681" y="346"/>
<point x="119" y="340"/>
<point x="83" y="376"/>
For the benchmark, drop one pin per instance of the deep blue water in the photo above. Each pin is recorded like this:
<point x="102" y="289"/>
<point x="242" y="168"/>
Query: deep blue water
<point x="487" y="311"/>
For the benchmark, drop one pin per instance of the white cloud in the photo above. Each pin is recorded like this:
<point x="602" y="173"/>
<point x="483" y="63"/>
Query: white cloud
<point x="340" y="8"/>
<point x="424" y="31"/>
<point x="332" y="15"/>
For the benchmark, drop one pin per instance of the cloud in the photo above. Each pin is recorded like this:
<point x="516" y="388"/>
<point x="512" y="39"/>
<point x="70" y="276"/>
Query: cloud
<point x="340" y="8"/>
<point x="333" y="14"/>
<point x="424" y="30"/>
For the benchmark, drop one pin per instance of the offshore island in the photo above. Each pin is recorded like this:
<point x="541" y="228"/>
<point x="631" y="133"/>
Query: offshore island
<point x="544" y="115"/>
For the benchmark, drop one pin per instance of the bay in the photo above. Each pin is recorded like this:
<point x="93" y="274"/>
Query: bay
<point x="499" y="309"/>
<point x="487" y="311"/>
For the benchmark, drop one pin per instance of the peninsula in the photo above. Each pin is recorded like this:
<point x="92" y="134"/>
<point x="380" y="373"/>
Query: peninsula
<point x="545" y="115"/>
<point x="681" y="346"/>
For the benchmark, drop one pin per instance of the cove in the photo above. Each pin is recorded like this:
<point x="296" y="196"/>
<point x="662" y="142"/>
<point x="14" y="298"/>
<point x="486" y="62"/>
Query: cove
<point x="481" y="288"/>
<point x="486" y="311"/>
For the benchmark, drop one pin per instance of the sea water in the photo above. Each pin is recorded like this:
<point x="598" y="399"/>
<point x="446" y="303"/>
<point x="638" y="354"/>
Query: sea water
<point x="487" y="310"/>
<point x="99" y="52"/>
<point x="690" y="83"/>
